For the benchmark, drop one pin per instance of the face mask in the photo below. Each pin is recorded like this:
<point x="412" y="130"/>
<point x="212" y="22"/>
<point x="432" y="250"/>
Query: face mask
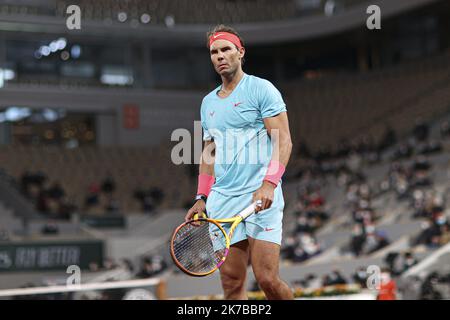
<point x="385" y="277"/>
<point x="441" y="221"/>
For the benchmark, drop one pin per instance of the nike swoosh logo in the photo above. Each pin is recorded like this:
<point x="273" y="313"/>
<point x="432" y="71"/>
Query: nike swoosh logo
<point x="269" y="229"/>
<point x="217" y="35"/>
<point x="236" y="104"/>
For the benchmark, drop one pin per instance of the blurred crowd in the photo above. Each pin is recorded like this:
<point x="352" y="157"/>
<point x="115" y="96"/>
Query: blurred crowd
<point x="395" y="264"/>
<point x="365" y="236"/>
<point x="310" y="216"/>
<point x="409" y="179"/>
<point x="49" y="198"/>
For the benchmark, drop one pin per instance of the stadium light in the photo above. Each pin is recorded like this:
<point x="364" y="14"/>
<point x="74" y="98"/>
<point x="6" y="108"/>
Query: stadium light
<point x="50" y="115"/>
<point x="37" y="54"/>
<point x="145" y="18"/>
<point x="330" y="7"/>
<point x="75" y="51"/>
<point x="6" y="75"/>
<point x="170" y="21"/>
<point x="65" y="55"/>
<point x="61" y="43"/>
<point x="45" y="50"/>
<point x="122" y="16"/>
<point x="17" y="113"/>
<point x="53" y="46"/>
<point x="114" y="79"/>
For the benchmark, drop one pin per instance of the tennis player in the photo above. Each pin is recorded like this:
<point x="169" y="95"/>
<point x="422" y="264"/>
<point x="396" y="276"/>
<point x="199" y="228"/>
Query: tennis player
<point x="244" y="119"/>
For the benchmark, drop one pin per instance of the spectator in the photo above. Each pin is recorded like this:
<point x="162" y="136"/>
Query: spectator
<point x="445" y="129"/>
<point x="313" y="282"/>
<point x="445" y="234"/>
<point x="408" y="261"/>
<point x="302" y="224"/>
<point x="403" y="151"/>
<point x="146" y="269"/>
<point x="92" y="199"/>
<point x="360" y="277"/>
<point x="428" y="290"/>
<point x="358" y="239"/>
<point x="128" y="265"/>
<point x="158" y="263"/>
<point x="434" y="230"/>
<point x="388" y="287"/>
<point x="299" y="254"/>
<point x="108" y="185"/>
<point x="50" y="228"/>
<point x="336" y="278"/>
<point x="149" y="199"/>
<point x="56" y="192"/>
<point x="380" y="241"/>
<point x="42" y="201"/>
<point x="288" y="248"/>
<point x="421" y="131"/>
<point x="388" y="140"/>
<point x="392" y="260"/>
<point x="109" y="264"/>
<point x="410" y="287"/>
<point x="157" y="195"/>
<point x="152" y="266"/>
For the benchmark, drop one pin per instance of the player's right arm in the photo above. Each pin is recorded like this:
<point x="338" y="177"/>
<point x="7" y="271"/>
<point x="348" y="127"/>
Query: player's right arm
<point x="206" y="167"/>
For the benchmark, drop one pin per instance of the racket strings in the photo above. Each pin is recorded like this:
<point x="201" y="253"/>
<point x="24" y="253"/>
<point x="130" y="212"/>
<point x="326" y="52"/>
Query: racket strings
<point x="199" y="247"/>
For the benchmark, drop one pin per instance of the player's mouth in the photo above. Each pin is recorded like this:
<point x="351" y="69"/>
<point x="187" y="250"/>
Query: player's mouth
<point x="222" y="66"/>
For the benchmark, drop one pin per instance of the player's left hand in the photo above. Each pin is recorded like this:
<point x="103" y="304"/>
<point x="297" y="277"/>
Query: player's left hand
<point x="265" y="193"/>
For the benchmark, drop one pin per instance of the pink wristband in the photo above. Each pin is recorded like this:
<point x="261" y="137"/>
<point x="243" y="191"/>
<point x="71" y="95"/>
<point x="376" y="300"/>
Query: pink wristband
<point x="274" y="172"/>
<point x="205" y="183"/>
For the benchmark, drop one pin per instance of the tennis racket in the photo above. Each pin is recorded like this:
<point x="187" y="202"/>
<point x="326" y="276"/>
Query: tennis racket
<point x="200" y="246"/>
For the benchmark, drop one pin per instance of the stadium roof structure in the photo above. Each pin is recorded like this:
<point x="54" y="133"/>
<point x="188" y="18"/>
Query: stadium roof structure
<point x="255" y="33"/>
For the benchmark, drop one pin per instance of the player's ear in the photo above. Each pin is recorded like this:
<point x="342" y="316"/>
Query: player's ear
<point x="241" y="53"/>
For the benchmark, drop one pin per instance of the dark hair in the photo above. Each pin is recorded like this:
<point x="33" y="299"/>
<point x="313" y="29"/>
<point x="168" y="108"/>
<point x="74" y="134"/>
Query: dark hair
<point x="224" y="28"/>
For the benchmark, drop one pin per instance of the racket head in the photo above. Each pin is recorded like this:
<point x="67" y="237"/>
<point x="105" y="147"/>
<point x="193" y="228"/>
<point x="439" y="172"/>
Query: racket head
<point x="199" y="247"/>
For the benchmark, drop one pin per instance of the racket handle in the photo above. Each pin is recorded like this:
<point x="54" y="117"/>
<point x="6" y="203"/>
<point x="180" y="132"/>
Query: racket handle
<point x="248" y="211"/>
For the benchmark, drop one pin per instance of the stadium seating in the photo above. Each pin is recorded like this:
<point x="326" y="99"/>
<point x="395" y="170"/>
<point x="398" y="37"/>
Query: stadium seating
<point x="130" y="168"/>
<point x="322" y="112"/>
<point x="182" y="11"/>
<point x="326" y="110"/>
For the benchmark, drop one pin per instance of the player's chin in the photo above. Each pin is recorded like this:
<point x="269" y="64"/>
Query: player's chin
<point x="223" y="71"/>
